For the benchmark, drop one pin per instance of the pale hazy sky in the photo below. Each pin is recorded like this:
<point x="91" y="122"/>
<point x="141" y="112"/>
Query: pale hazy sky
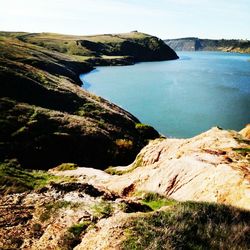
<point x="163" y="18"/>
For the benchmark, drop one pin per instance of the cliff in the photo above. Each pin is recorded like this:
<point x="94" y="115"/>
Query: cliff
<point x="197" y="44"/>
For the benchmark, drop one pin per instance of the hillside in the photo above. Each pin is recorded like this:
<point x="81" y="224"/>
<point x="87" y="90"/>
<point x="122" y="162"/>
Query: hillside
<point x="48" y="119"/>
<point x="133" y="206"/>
<point x="107" y="49"/>
<point x="197" y="44"/>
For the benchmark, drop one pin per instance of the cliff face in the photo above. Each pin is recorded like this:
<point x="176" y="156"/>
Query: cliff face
<point x="213" y="167"/>
<point x="197" y="44"/>
<point x="47" y="118"/>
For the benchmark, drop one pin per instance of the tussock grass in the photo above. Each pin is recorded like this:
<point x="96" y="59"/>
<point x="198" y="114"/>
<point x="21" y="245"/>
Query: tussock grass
<point x="190" y="225"/>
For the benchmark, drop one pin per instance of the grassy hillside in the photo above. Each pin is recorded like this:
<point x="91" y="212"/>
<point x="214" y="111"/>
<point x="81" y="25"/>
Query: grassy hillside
<point x="47" y="118"/>
<point x="139" y="46"/>
<point x="189" y="225"/>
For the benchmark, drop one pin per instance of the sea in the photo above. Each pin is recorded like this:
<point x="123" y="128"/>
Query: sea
<point x="180" y="98"/>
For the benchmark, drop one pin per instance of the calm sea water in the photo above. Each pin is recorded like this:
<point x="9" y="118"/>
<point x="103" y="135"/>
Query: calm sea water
<point x="180" y="98"/>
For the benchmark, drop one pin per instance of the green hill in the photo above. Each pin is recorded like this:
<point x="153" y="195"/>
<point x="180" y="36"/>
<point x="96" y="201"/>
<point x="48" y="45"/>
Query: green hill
<point x="126" y="48"/>
<point x="47" y="118"/>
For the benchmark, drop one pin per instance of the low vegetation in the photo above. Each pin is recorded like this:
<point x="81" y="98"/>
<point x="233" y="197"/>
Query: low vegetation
<point x="190" y="225"/>
<point x="156" y="201"/>
<point x="72" y="237"/>
<point x="242" y="150"/>
<point x="140" y="46"/>
<point x="52" y="208"/>
<point x="14" y="179"/>
<point x="77" y="229"/>
<point x="66" y="166"/>
<point x="120" y="171"/>
<point x="103" y="209"/>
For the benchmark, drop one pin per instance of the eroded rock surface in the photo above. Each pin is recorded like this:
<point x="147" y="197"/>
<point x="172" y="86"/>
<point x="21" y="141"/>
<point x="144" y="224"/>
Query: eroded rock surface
<point x="213" y="166"/>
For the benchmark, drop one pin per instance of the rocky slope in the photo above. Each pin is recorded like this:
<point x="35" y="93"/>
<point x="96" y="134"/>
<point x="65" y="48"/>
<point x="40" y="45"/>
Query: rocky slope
<point x="197" y="44"/>
<point x="47" y="118"/>
<point x="213" y="167"/>
<point x="86" y="208"/>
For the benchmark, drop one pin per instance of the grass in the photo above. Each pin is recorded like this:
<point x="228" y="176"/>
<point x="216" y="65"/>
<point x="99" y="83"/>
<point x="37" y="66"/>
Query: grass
<point x="52" y="209"/>
<point x="156" y="201"/>
<point x="72" y="237"/>
<point x="242" y="150"/>
<point x="190" y="225"/>
<point x="66" y="166"/>
<point x="114" y="171"/>
<point x="77" y="229"/>
<point x="102" y="209"/>
<point x="68" y="44"/>
<point x="13" y="179"/>
<point x="142" y="126"/>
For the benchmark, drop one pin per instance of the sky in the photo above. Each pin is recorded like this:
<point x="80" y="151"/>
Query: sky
<point x="215" y="19"/>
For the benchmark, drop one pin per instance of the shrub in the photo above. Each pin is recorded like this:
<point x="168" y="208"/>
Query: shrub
<point x="147" y="131"/>
<point x="124" y="143"/>
<point x="66" y="166"/>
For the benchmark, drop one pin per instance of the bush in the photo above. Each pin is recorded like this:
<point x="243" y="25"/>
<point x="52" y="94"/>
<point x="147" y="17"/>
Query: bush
<point x="124" y="143"/>
<point x="66" y="166"/>
<point x="146" y="131"/>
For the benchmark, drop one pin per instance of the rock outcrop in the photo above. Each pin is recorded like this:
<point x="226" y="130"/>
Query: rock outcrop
<point x="245" y="132"/>
<point x="212" y="167"/>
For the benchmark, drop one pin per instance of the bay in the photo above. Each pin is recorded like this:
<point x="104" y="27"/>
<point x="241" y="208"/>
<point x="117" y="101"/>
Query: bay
<point x="180" y="98"/>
